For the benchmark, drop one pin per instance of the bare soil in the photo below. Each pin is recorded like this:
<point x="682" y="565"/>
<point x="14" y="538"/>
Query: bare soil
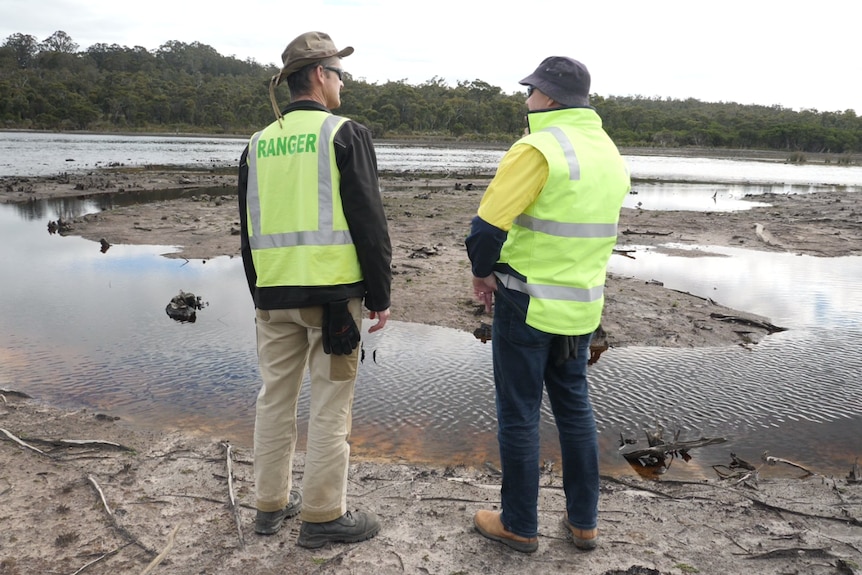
<point x="161" y="501"/>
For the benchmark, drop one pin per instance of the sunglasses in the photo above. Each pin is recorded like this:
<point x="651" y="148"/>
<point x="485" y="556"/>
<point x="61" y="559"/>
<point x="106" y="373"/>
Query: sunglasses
<point x="337" y="71"/>
<point x="530" y="90"/>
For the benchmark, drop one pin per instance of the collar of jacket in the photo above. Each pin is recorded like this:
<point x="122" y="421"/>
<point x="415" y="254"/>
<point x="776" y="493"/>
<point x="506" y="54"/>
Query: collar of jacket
<point x="540" y="119"/>
<point x="305" y="105"/>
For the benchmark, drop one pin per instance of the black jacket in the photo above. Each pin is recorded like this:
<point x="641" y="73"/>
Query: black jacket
<point x="363" y="208"/>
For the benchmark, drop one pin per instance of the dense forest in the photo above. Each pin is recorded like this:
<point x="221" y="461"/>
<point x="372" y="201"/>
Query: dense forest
<point x="52" y="85"/>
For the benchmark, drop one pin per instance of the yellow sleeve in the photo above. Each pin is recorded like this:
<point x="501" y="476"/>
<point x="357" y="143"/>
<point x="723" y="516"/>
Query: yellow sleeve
<point x="520" y="177"/>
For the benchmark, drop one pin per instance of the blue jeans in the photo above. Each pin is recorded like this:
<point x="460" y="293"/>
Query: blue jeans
<point x="523" y="365"/>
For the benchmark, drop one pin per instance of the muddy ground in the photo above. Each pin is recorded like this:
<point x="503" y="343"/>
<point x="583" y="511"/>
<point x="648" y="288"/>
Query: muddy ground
<point x="160" y="501"/>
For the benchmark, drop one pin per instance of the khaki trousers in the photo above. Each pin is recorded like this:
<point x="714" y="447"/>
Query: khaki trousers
<point x="288" y="341"/>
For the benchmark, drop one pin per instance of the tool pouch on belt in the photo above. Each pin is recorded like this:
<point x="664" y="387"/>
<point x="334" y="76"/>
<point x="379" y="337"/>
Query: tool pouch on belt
<point x="340" y="334"/>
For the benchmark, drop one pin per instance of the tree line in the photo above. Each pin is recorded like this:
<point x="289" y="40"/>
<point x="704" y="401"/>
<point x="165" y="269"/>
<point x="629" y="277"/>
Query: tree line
<point x="179" y="87"/>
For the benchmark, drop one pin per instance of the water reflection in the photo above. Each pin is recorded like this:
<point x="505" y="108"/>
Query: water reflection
<point x="72" y="207"/>
<point x="791" y="290"/>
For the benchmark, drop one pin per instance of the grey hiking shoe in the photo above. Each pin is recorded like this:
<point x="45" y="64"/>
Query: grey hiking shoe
<point x="269" y="522"/>
<point x="349" y="528"/>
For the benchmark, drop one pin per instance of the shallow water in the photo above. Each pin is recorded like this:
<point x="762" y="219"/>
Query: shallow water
<point x="82" y="328"/>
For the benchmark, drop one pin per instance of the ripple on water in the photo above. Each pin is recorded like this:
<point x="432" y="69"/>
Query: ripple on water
<point x="427" y="392"/>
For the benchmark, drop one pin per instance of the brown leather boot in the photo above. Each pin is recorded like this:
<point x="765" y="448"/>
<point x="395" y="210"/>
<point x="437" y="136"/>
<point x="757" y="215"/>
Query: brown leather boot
<point x="584" y="539"/>
<point x="488" y="524"/>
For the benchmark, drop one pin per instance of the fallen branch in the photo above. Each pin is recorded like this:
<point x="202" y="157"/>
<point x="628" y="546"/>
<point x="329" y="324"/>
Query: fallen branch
<point x="661" y="450"/>
<point x="793" y="552"/>
<point x="15" y="393"/>
<point x="771" y="507"/>
<point x="97" y="443"/>
<point x="750" y="322"/>
<point x="233" y="505"/>
<point x="161" y="556"/>
<point x="91" y="442"/>
<point x="21" y="443"/>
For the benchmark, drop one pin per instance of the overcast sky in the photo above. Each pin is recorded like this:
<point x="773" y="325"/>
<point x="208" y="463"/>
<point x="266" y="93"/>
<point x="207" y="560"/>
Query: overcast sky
<point x="752" y="52"/>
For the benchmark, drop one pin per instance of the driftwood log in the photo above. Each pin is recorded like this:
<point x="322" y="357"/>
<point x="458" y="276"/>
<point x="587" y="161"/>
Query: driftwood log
<point x="770" y="328"/>
<point x="659" y="451"/>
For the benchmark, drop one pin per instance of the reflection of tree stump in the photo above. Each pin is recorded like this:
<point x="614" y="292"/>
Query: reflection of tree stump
<point x="182" y="307"/>
<point x="61" y="226"/>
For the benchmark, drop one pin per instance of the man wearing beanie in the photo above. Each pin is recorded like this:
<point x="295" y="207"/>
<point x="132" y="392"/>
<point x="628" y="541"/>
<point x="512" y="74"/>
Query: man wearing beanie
<point x="539" y="247"/>
<point x="315" y="246"/>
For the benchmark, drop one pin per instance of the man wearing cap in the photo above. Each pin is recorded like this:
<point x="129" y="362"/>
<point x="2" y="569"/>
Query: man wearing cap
<point x="540" y="242"/>
<point x="314" y="244"/>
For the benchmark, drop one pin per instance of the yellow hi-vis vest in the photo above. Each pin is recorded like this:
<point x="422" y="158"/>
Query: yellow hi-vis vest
<point x="296" y="226"/>
<point x="562" y="242"/>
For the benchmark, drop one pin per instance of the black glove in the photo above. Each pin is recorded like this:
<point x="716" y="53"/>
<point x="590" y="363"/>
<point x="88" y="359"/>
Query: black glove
<point x="340" y="334"/>
<point x="563" y="348"/>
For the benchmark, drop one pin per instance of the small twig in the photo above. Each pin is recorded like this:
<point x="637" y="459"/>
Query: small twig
<point x="628" y="232"/>
<point x="726" y="534"/>
<point x="100" y="558"/>
<point x="233" y="505"/>
<point x="773" y="460"/>
<point x="21" y="443"/>
<point x="199" y="497"/>
<point x="125" y="533"/>
<point x="92" y="480"/>
<point x="847" y="519"/>
<point x="92" y="442"/>
<point x="160" y="557"/>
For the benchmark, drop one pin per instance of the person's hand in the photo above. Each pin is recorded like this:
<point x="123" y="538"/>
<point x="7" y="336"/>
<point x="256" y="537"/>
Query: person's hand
<point x="340" y="334"/>
<point x="483" y="290"/>
<point x="382" y="318"/>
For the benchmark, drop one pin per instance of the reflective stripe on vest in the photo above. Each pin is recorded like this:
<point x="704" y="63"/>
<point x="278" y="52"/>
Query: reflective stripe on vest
<point x="568" y="151"/>
<point x="325" y="235"/>
<point x="564" y="293"/>
<point x="566" y="230"/>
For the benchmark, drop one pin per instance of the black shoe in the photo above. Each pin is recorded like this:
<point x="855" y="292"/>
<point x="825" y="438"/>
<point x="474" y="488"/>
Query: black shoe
<point x="269" y="522"/>
<point x="349" y="528"/>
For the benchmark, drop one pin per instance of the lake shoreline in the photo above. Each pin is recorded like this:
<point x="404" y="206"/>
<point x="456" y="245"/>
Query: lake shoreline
<point x="768" y="155"/>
